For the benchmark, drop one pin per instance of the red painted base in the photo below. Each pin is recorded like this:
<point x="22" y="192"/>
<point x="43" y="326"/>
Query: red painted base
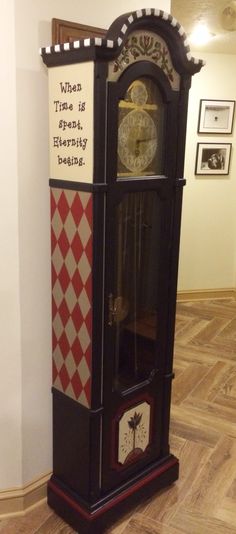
<point x="91" y="519"/>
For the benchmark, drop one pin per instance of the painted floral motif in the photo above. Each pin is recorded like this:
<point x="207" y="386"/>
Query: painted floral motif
<point x="147" y="46"/>
<point x="135" y="435"/>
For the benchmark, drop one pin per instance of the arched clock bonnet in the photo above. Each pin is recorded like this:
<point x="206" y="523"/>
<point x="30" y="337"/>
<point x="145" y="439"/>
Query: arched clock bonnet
<point x="162" y="24"/>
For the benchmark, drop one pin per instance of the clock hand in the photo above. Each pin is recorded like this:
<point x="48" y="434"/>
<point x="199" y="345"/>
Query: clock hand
<point x="138" y="141"/>
<point x="145" y="140"/>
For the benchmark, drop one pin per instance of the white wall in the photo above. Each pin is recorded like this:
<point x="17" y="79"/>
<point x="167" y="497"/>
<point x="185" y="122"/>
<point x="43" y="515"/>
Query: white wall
<point x="208" y="238"/>
<point x="10" y="341"/>
<point x="25" y="350"/>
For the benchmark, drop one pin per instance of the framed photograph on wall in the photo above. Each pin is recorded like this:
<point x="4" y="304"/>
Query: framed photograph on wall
<point x="213" y="158"/>
<point x="216" y="116"/>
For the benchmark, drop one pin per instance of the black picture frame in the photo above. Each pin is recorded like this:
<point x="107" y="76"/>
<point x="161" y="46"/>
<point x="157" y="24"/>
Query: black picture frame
<point x="213" y="158"/>
<point x="216" y="116"/>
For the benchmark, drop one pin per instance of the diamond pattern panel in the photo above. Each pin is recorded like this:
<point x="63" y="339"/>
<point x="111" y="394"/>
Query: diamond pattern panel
<point x="71" y="241"/>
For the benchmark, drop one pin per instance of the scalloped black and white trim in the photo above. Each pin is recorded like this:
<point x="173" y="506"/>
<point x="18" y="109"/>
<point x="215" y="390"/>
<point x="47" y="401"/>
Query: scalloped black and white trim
<point x="107" y="43"/>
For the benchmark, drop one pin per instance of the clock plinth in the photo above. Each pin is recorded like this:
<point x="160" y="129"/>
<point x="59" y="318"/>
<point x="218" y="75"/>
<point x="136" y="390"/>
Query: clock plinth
<point x="118" y="111"/>
<point x="101" y="514"/>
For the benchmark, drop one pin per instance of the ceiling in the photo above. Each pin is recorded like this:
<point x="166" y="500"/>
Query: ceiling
<point x="188" y="12"/>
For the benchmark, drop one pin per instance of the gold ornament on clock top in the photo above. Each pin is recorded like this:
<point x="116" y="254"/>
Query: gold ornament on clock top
<point x="138" y="93"/>
<point x="138" y="130"/>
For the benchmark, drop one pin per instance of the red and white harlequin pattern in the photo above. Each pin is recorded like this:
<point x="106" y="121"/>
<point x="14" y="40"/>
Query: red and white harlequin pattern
<point x="71" y="242"/>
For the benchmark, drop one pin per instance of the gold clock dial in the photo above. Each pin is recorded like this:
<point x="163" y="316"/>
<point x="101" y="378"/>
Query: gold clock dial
<point x="140" y="130"/>
<point x="137" y="140"/>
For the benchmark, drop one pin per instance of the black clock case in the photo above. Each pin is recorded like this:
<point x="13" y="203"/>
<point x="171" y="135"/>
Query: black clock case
<point x="86" y="490"/>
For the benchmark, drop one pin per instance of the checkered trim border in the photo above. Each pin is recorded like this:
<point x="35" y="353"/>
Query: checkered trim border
<point x="114" y="44"/>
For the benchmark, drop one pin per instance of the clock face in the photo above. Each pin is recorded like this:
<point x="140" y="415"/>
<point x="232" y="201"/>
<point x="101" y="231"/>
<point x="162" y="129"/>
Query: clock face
<point x="140" y="130"/>
<point x="137" y="140"/>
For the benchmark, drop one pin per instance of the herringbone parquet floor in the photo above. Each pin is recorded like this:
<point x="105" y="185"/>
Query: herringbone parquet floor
<point x="203" y="435"/>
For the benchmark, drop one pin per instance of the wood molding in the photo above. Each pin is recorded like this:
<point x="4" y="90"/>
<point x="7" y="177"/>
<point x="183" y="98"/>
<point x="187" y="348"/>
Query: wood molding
<point x="203" y="294"/>
<point x="15" y="502"/>
<point x="64" y="31"/>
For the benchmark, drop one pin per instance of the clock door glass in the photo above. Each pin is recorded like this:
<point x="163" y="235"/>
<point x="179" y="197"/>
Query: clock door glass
<point x="140" y="130"/>
<point x="136" y="280"/>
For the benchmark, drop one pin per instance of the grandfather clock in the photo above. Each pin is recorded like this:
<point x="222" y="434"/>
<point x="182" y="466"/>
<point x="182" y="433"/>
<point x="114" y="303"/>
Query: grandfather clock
<point x="118" y="109"/>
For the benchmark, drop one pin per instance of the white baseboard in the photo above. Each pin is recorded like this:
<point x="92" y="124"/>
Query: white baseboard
<point x="15" y="502"/>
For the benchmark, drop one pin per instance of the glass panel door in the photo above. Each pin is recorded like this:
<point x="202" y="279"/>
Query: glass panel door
<point x="133" y="306"/>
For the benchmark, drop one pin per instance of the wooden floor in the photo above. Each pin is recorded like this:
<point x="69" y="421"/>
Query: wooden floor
<point x="203" y="435"/>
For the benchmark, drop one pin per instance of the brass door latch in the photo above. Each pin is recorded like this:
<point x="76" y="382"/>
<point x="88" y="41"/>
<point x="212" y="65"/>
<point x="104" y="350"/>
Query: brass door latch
<point x="117" y="309"/>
